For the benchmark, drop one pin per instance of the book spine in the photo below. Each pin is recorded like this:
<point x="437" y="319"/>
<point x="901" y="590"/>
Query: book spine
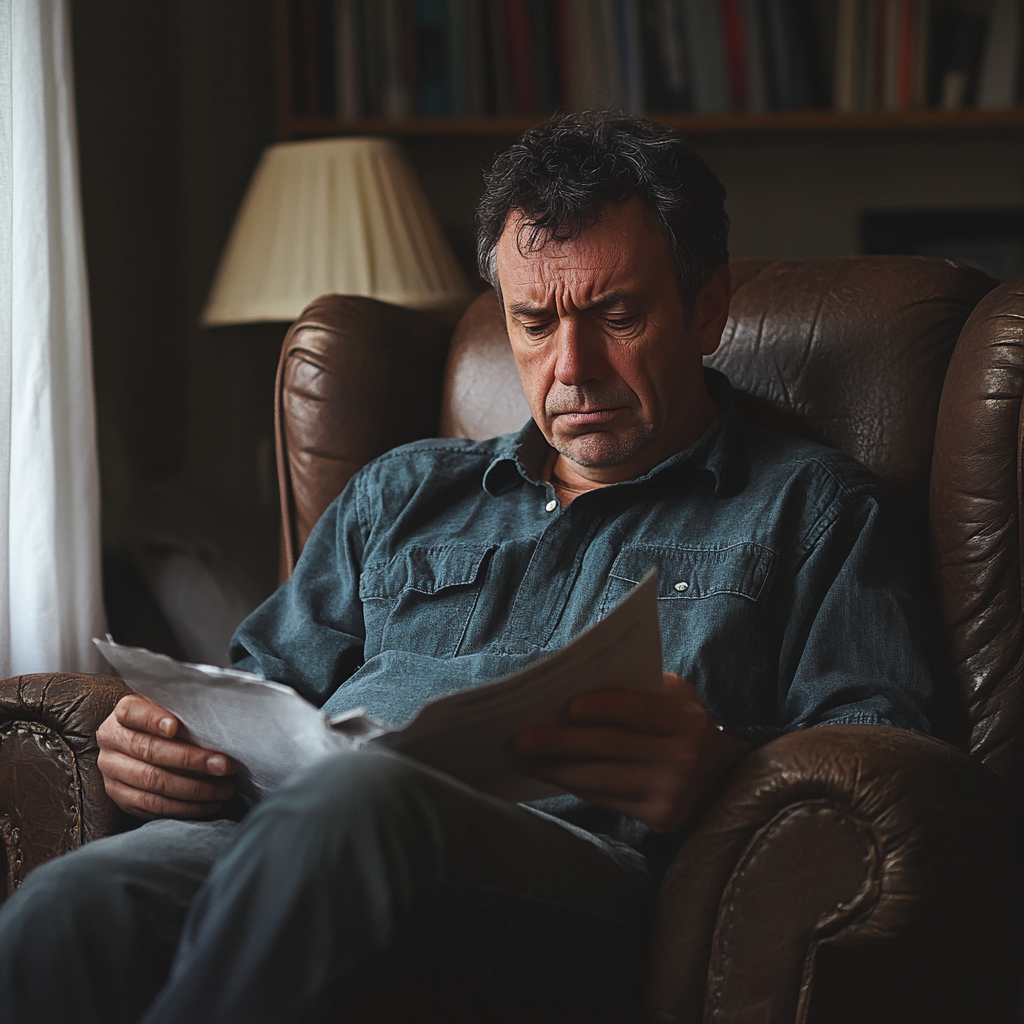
<point x="868" y="50"/>
<point x="735" y="42"/>
<point x="347" y="77"/>
<point x="309" y="51"/>
<point x="457" y="52"/>
<point x="610" y="57"/>
<point x="997" y="87"/>
<point x="476" y="47"/>
<point x="369" y="13"/>
<point x="587" y="57"/>
<point x="544" y="18"/>
<point x="922" y="49"/>
<point x="501" y="85"/>
<point x="397" y="92"/>
<point x="431" y="59"/>
<point x="779" y="49"/>
<point x="845" y="90"/>
<point x="707" y="56"/>
<point x="889" y="48"/>
<point x="522" y="73"/>
<point x="632" y="55"/>
<point x="566" y="52"/>
<point x="757" y="85"/>
<point x="905" y="63"/>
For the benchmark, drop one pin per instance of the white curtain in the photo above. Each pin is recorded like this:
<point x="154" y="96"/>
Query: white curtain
<point x="50" y="591"/>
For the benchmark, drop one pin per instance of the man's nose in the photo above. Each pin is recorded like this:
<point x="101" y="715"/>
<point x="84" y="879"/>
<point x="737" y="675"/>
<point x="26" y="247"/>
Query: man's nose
<point x="580" y="355"/>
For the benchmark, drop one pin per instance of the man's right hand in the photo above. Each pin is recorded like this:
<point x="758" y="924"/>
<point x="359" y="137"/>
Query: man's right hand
<point x="150" y="773"/>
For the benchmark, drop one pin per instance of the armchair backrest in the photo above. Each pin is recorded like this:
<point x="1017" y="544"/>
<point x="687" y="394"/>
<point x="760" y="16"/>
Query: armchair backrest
<point x="852" y="352"/>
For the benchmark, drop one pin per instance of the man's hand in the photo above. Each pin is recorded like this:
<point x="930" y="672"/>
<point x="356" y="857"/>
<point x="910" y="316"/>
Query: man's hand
<point x="653" y="756"/>
<point x="151" y="774"/>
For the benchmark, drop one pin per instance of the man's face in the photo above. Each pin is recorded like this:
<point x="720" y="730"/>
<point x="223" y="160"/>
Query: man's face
<point x="609" y="363"/>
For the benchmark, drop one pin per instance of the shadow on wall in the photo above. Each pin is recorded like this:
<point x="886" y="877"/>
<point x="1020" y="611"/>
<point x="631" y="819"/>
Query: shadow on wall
<point x="174" y="108"/>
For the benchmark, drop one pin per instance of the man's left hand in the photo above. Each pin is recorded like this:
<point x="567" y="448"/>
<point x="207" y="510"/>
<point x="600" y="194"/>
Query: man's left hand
<point x="653" y="756"/>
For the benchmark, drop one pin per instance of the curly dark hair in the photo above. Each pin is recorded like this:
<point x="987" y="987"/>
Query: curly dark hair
<point x="562" y="174"/>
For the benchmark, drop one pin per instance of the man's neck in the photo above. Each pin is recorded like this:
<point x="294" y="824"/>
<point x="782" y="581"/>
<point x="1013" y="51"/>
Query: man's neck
<point x="567" y="481"/>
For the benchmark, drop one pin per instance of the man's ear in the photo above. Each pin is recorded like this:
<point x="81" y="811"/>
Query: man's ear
<point x="711" y="309"/>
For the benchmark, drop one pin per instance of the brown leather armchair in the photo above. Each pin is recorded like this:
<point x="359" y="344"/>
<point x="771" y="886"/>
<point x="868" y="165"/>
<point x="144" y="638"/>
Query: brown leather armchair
<point x="848" y="873"/>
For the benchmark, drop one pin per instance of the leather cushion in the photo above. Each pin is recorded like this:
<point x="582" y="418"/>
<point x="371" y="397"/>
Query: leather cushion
<point x="976" y="528"/>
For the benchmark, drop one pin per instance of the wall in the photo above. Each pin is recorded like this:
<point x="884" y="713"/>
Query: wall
<point x="174" y="102"/>
<point x="794" y="196"/>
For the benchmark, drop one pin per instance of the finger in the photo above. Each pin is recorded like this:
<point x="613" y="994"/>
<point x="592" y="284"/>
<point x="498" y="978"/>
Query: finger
<point x="654" y="797"/>
<point x="600" y="781"/>
<point x="658" y="713"/>
<point x="167" y="753"/>
<point x="172" y="754"/>
<point x="152" y="805"/>
<point x="135" y="712"/>
<point x="600" y="742"/>
<point x="153" y="779"/>
<point x="674" y="683"/>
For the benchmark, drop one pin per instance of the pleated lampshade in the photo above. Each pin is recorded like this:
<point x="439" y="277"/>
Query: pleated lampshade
<point x="333" y="215"/>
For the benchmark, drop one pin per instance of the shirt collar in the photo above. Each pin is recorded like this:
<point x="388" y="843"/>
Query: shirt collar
<point x="526" y="452"/>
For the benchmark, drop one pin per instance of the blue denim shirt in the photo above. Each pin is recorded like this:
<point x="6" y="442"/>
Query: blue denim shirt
<point x="447" y="563"/>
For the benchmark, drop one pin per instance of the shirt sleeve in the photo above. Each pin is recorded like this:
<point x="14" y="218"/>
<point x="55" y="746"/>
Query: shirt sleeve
<point x="309" y="633"/>
<point x="862" y="643"/>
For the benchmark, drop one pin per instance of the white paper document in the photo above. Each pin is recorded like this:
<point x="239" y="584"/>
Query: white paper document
<point x="272" y="732"/>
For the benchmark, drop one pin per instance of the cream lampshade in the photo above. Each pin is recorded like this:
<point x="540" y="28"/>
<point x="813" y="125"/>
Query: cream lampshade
<point x="333" y="215"/>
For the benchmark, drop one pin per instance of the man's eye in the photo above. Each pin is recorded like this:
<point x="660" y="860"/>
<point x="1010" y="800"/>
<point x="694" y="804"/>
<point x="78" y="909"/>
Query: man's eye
<point x="621" y="323"/>
<point x="537" y="330"/>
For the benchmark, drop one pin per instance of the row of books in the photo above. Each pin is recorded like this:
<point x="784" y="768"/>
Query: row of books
<point x="396" y="59"/>
<point x="902" y="54"/>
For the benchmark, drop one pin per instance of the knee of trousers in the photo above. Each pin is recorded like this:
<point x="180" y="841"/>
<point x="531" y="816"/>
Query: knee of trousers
<point x="370" y="801"/>
<point x="63" y="898"/>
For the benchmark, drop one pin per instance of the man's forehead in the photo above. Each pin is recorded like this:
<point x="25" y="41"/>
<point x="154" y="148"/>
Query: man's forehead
<point x="597" y="255"/>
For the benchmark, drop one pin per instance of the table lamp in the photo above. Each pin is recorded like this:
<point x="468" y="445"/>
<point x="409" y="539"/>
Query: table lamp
<point x="333" y="215"/>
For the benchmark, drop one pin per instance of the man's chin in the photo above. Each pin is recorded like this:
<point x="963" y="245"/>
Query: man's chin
<point x="599" y="450"/>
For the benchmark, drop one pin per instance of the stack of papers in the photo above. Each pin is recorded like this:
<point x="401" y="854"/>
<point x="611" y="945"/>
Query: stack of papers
<point x="271" y="732"/>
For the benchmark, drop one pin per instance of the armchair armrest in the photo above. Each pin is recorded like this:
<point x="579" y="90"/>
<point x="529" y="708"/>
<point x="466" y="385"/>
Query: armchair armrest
<point x="848" y="873"/>
<point x="52" y="797"/>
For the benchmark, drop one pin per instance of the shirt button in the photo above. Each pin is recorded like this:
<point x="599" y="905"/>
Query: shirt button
<point x="682" y="586"/>
<point x="551" y="506"/>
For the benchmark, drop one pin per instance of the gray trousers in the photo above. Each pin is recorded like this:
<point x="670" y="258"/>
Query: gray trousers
<point x="365" y="867"/>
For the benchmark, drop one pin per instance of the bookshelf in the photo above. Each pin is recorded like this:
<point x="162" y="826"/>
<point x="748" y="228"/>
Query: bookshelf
<point x="796" y="124"/>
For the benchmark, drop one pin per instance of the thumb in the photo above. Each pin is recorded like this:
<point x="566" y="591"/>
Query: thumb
<point x="676" y="685"/>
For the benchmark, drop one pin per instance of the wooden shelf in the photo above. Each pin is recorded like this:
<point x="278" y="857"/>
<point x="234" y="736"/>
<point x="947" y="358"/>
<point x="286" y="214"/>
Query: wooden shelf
<point x="802" y="122"/>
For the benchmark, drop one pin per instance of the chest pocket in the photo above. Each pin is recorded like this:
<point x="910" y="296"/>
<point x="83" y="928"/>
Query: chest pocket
<point x="690" y="574"/>
<point x="423" y="599"/>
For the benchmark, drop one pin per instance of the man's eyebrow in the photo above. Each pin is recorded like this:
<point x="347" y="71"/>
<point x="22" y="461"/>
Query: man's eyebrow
<point x="525" y="309"/>
<point x="520" y="309"/>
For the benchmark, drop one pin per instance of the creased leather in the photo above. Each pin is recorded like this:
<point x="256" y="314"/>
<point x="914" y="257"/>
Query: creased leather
<point x="356" y="378"/>
<point x="976" y="524"/>
<point x="889" y="848"/>
<point x="482" y="394"/>
<point x="52" y="797"/>
<point x="851" y="352"/>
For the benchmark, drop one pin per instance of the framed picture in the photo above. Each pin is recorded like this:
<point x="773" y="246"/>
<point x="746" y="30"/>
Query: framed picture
<point x="992" y="240"/>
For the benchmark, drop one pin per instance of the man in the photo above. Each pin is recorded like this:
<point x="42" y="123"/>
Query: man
<point x="786" y="602"/>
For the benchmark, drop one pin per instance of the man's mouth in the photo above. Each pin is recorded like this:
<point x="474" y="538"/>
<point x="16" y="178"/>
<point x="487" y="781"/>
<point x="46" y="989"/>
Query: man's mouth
<point x="587" y="417"/>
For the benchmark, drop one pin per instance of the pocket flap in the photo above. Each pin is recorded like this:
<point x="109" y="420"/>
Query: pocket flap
<point x="427" y="570"/>
<point x="688" y="574"/>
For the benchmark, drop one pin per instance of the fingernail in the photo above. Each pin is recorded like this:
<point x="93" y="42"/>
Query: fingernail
<point x="166" y="726"/>
<point x="216" y="765"/>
